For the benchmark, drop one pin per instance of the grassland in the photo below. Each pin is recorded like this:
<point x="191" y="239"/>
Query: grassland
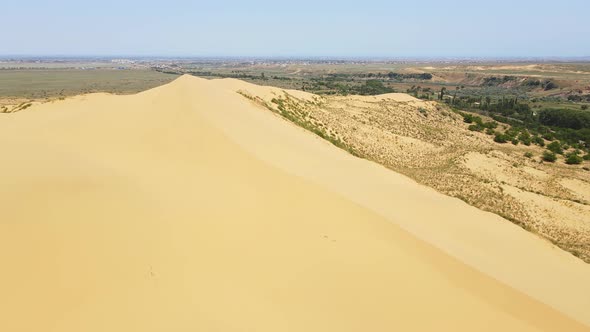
<point x="50" y="83"/>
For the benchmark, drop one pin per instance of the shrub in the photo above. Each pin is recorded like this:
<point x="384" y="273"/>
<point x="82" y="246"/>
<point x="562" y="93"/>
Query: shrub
<point x="490" y="131"/>
<point x="475" y="127"/>
<point x="539" y="141"/>
<point x="531" y="82"/>
<point x="573" y="159"/>
<point x="500" y="138"/>
<point x="550" y="86"/>
<point x="586" y="156"/>
<point x="549" y="156"/>
<point x="491" y="125"/>
<point x="525" y="138"/>
<point x="555" y="147"/>
<point x="528" y="154"/>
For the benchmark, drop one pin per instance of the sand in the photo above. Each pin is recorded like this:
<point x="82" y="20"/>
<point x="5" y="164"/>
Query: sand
<point x="189" y="208"/>
<point x="432" y="145"/>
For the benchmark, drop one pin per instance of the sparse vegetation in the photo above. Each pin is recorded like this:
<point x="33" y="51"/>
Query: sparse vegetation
<point x="435" y="168"/>
<point x="292" y="109"/>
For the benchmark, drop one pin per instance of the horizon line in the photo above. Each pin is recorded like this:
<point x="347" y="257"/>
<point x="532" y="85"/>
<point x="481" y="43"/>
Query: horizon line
<point x="302" y="56"/>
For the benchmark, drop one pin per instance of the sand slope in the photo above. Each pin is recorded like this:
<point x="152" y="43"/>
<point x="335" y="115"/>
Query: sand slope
<point x="149" y="213"/>
<point x="482" y="240"/>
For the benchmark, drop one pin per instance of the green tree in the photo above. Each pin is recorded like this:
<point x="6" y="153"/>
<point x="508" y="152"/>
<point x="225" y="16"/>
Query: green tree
<point x="442" y="93"/>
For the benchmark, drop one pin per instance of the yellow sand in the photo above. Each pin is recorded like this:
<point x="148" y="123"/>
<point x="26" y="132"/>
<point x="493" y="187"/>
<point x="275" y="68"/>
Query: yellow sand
<point x="166" y="211"/>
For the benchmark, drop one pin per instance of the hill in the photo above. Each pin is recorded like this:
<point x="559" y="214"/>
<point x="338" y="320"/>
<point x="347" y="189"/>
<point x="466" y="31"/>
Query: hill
<point x="189" y="207"/>
<point x="434" y="145"/>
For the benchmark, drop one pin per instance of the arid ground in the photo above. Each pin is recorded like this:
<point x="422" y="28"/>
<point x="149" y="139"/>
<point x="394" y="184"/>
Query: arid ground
<point x="220" y="205"/>
<point x="431" y="144"/>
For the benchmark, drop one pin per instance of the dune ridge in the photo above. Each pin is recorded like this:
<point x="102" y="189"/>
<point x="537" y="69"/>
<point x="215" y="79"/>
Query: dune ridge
<point x="187" y="207"/>
<point x="480" y="239"/>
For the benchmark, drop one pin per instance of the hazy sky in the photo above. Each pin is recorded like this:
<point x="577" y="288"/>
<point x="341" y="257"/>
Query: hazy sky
<point x="296" y="28"/>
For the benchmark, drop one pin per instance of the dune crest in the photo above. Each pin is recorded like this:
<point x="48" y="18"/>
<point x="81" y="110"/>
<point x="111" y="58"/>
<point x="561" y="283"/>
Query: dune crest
<point x="187" y="207"/>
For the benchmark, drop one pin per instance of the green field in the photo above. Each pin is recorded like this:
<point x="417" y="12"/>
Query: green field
<point x="48" y="83"/>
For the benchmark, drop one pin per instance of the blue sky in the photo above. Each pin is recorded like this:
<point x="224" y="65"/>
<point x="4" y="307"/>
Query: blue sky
<point x="297" y="28"/>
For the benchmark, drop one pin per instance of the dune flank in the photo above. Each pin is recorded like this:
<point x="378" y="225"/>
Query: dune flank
<point x="189" y="208"/>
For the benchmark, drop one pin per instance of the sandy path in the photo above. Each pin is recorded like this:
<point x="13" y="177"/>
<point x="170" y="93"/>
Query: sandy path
<point x="150" y="213"/>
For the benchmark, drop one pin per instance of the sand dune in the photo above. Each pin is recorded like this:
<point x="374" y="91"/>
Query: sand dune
<point x="189" y="208"/>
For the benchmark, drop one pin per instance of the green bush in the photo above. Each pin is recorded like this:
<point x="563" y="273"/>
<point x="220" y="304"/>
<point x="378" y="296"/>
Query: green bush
<point x="549" y="156"/>
<point x="573" y="159"/>
<point x="475" y="127"/>
<point x="555" y="147"/>
<point x="500" y="138"/>
<point x="491" y="125"/>
<point x="528" y="154"/>
<point x="548" y="85"/>
<point x="525" y="138"/>
<point x="539" y="141"/>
